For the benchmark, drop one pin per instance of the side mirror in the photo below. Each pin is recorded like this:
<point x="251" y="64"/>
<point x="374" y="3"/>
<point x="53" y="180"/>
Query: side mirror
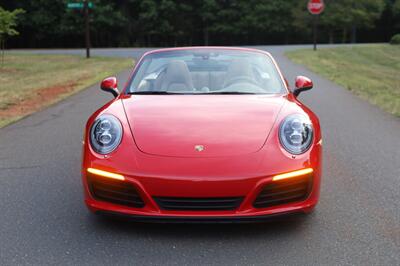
<point x="302" y="84"/>
<point x="110" y="85"/>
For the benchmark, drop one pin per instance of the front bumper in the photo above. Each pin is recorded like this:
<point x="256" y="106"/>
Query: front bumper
<point x="248" y="189"/>
<point x="196" y="220"/>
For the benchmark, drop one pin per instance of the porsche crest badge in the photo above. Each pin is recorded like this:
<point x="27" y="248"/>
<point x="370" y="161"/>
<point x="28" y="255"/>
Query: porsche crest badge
<point x="199" y="148"/>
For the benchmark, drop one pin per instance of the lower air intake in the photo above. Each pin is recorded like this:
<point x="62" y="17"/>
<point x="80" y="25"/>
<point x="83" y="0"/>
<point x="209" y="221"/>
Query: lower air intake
<point x="284" y="191"/>
<point x="114" y="191"/>
<point x="198" y="204"/>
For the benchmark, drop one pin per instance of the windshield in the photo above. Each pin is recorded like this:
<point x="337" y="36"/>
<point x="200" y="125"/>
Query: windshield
<point x="206" y="71"/>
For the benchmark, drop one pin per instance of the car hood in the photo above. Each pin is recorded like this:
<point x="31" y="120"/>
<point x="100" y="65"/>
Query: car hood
<point x="201" y="125"/>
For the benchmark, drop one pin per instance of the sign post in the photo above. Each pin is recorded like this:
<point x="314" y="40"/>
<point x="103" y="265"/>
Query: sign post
<point x="87" y="28"/>
<point x="85" y="6"/>
<point x="315" y="7"/>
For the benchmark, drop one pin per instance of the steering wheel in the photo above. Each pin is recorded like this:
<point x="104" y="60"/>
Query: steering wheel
<point x="240" y="79"/>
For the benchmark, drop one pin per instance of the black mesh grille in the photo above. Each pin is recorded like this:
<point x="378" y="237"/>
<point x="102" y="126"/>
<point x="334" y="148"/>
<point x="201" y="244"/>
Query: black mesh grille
<point x="198" y="204"/>
<point x="284" y="191"/>
<point x="114" y="191"/>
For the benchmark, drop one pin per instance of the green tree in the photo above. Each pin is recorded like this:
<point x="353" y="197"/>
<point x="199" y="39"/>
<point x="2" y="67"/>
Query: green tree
<point x="344" y="15"/>
<point x="228" y="19"/>
<point x="105" y="22"/>
<point x="363" y="14"/>
<point x="271" y="17"/>
<point x="253" y="20"/>
<point x="336" y="17"/>
<point x="396" y="14"/>
<point x="50" y="23"/>
<point x="396" y="7"/>
<point x="8" y="22"/>
<point x="191" y="22"/>
<point x="207" y="9"/>
<point x="176" y="20"/>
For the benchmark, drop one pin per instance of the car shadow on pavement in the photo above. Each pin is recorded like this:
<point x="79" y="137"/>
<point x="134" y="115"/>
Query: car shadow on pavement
<point x="275" y="227"/>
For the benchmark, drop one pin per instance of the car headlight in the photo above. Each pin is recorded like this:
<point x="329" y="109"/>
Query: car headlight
<point x="296" y="134"/>
<point x="105" y="134"/>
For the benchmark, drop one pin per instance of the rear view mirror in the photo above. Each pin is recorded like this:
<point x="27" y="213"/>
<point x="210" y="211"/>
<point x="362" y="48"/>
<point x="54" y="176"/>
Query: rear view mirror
<point x="110" y="84"/>
<point x="302" y="84"/>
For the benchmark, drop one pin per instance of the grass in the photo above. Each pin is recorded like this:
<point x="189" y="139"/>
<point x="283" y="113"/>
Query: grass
<point x="29" y="82"/>
<point x="371" y="72"/>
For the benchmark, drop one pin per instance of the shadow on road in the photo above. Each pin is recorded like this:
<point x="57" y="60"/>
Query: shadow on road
<point x="284" y="225"/>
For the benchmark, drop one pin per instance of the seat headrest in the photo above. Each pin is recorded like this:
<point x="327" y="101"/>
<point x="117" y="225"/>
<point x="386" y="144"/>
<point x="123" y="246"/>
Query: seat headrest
<point x="238" y="68"/>
<point x="177" y="77"/>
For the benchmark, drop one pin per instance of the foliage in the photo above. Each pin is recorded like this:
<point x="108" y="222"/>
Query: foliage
<point x="8" y="22"/>
<point x="396" y="13"/>
<point x="49" y="23"/>
<point x="343" y="15"/>
<point x="395" y="39"/>
<point x="396" y="7"/>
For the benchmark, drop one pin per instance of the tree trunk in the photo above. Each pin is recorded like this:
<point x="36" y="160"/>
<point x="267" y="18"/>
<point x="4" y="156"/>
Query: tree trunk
<point x="344" y="35"/>
<point x="331" y="37"/>
<point x="2" y="45"/>
<point x="354" y="34"/>
<point x="148" y="39"/>
<point x="206" y="36"/>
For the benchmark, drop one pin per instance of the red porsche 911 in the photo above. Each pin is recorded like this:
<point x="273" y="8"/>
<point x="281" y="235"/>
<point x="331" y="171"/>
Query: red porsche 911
<point x="203" y="134"/>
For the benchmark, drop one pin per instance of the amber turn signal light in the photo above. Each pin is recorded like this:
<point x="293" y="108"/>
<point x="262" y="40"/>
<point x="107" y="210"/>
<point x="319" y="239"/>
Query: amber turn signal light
<point x="293" y="174"/>
<point x="105" y="174"/>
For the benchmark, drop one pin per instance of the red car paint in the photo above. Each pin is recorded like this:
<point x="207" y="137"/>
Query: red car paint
<point x="303" y="82"/>
<point x="242" y="150"/>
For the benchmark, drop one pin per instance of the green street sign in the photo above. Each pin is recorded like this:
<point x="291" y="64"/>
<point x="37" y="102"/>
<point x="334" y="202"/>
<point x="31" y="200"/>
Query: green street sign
<point x="78" y="5"/>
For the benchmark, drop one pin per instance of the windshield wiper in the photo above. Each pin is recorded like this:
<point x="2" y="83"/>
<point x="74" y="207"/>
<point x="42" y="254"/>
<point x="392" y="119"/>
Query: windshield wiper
<point x="151" y="92"/>
<point x="191" y="93"/>
<point x="230" y="92"/>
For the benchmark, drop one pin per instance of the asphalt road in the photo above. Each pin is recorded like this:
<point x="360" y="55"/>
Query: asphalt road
<point x="43" y="219"/>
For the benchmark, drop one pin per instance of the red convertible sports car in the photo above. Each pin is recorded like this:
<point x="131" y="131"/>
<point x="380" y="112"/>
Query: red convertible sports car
<point x="203" y="134"/>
